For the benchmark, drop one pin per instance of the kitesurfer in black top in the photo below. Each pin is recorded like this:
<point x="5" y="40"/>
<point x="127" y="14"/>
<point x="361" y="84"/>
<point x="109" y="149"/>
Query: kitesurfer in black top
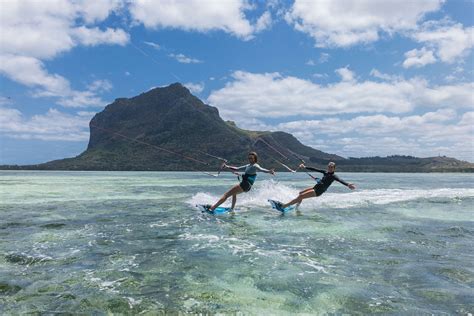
<point x="323" y="184"/>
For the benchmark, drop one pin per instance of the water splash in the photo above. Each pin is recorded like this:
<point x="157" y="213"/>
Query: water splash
<point x="274" y="190"/>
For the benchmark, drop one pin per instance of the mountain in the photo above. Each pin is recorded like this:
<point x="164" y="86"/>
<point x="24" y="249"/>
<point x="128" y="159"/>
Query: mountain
<point x="170" y="129"/>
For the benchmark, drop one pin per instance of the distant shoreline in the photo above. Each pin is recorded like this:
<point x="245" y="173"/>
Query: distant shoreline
<point x="19" y="168"/>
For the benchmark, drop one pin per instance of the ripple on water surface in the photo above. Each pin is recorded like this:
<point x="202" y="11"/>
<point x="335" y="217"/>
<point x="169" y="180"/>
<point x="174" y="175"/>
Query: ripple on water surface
<point x="133" y="243"/>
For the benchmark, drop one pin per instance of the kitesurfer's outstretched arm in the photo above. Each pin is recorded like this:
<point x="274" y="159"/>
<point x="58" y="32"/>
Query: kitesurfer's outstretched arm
<point x="250" y="168"/>
<point x="271" y="171"/>
<point x="349" y="185"/>
<point x="302" y="166"/>
<point x="233" y="168"/>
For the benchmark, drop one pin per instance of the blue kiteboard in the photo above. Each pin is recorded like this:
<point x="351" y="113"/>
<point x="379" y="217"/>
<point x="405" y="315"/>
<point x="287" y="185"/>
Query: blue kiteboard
<point x="219" y="210"/>
<point x="276" y="206"/>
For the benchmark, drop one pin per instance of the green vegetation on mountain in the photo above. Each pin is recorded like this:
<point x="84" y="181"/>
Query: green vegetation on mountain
<point x="173" y="119"/>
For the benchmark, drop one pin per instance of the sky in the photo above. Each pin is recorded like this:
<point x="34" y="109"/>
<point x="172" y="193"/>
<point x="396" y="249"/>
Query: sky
<point x="355" y="78"/>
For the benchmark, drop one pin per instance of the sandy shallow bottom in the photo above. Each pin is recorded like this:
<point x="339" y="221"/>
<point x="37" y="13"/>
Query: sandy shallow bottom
<point x="132" y="242"/>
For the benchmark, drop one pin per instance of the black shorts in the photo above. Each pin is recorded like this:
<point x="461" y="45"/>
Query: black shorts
<point x="319" y="190"/>
<point x="245" y="185"/>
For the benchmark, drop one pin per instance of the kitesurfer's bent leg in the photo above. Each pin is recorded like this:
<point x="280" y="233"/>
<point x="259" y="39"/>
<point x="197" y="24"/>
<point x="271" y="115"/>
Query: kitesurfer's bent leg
<point x="234" y="200"/>
<point x="236" y="189"/>
<point x="305" y="194"/>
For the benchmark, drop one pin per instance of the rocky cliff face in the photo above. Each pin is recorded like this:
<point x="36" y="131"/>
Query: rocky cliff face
<point x="173" y="119"/>
<point x="128" y="133"/>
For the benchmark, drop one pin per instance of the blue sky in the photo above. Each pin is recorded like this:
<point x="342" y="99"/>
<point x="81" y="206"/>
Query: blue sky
<point x="355" y="78"/>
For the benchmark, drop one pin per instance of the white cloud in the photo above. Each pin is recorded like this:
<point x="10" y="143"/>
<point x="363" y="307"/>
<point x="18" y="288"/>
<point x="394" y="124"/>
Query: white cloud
<point x="30" y="71"/>
<point x="34" y="31"/>
<point x="319" y="76"/>
<point x="418" y="58"/>
<point x="377" y="74"/>
<point x="195" y="88"/>
<point x="184" y="59"/>
<point x="86" y="113"/>
<point x="95" y="36"/>
<point x="264" y="22"/>
<point x="96" y="11"/>
<point x="5" y="101"/>
<point x="154" y="45"/>
<point x="323" y="58"/>
<point x="345" y="73"/>
<point x="100" y="85"/>
<point x="51" y="26"/>
<point x="442" y="131"/>
<point x="52" y="126"/>
<point x="450" y="78"/>
<point x="344" y="23"/>
<point x="375" y="124"/>
<point x="449" y="40"/>
<point x="80" y="99"/>
<point x="271" y="95"/>
<point x="458" y="69"/>
<point x="194" y="15"/>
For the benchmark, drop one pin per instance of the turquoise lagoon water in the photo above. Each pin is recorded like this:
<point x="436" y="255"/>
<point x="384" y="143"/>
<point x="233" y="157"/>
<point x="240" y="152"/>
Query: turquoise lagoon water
<point x="133" y="243"/>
